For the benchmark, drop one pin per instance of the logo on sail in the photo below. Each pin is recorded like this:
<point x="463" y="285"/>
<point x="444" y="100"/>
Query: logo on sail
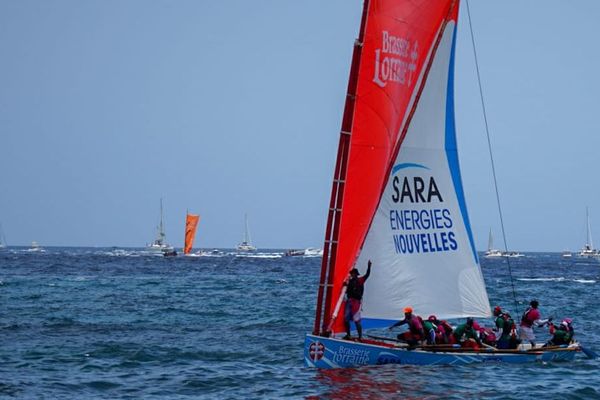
<point x="419" y="221"/>
<point x="395" y="60"/>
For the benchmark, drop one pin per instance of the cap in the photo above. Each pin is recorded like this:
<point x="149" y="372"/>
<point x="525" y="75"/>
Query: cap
<point x="408" y="310"/>
<point x="354" y="271"/>
<point x="432" y="318"/>
<point x="497" y="310"/>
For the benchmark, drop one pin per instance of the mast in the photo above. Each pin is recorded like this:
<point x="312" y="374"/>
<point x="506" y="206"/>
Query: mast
<point x="246" y="231"/>
<point x="2" y="237"/>
<point x="322" y="315"/>
<point x="161" y="230"/>
<point x="589" y="229"/>
<point x="490" y="241"/>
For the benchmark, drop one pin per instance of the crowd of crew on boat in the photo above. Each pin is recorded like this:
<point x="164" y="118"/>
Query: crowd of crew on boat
<point x="504" y="335"/>
<point x="432" y="332"/>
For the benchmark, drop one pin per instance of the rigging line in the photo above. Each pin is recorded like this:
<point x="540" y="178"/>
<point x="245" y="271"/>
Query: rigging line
<point x="487" y="131"/>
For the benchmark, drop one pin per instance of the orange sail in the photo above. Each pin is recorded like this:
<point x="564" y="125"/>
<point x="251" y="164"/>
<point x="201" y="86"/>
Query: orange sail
<point x="191" y="222"/>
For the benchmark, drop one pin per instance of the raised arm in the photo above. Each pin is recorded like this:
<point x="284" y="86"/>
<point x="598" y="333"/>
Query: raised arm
<point x="368" y="270"/>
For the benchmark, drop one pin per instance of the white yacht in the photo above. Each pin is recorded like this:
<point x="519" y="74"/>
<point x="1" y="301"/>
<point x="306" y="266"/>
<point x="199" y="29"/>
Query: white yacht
<point x="588" y="250"/>
<point x="491" y="252"/>
<point x="160" y="243"/>
<point x="513" y="254"/>
<point x="246" y="244"/>
<point x="313" y="252"/>
<point x="2" y="239"/>
<point x="35" y="247"/>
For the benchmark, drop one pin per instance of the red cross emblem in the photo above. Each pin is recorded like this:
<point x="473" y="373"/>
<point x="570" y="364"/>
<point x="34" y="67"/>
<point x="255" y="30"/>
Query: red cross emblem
<point x="316" y="351"/>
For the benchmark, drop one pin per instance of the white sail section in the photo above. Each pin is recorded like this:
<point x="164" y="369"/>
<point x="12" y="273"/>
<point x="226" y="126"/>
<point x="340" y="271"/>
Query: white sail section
<point x="420" y="240"/>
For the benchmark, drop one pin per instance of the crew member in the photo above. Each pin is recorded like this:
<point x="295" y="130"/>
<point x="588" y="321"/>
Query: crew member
<point x="466" y="335"/>
<point x="562" y="334"/>
<point x="415" y="331"/>
<point x="355" y="287"/>
<point x="531" y="317"/>
<point x="506" y="328"/>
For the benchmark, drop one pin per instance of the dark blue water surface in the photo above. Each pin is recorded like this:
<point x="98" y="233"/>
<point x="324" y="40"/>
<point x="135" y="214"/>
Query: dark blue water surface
<point x="121" y="323"/>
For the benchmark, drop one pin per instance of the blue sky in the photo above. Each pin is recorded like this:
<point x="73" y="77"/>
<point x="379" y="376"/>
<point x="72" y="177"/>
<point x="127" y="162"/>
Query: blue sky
<point x="227" y="107"/>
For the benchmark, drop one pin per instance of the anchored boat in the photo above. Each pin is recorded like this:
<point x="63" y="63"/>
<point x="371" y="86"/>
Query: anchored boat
<point x="160" y="244"/>
<point x="491" y="251"/>
<point x="246" y="244"/>
<point x="588" y="249"/>
<point x="2" y="239"/>
<point x="397" y="197"/>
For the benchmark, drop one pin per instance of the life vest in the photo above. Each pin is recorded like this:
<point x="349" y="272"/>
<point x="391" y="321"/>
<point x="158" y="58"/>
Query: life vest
<point x="561" y="336"/>
<point x="415" y="325"/>
<point x="488" y="336"/>
<point x="446" y="327"/>
<point x="508" y="324"/>
<point x="355" y="289"/>
<point x="526" y="320"/>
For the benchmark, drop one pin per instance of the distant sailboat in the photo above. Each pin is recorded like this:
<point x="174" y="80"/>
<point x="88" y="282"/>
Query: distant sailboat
<point x="246" y="244"/>
<point x="491" y="252"/>
<point x="2" y="238"/>
<point x="588" y="249"/>
<point x="160" y="243"/>
<point x="191" y="223"/>
<point x="35" y="247"/>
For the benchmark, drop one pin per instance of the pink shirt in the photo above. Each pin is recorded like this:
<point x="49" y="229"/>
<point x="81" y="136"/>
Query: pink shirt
<point x="415" y="324"/>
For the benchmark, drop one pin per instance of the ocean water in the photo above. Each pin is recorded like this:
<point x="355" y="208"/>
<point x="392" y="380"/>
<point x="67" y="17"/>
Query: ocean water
<point x="124" y="324"/>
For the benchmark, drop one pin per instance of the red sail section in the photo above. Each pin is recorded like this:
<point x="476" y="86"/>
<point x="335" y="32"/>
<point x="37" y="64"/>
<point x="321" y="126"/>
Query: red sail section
<point x="191" y="222"/>
<point x="399" y="41"/>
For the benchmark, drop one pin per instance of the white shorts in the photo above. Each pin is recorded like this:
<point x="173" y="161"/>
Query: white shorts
<point x="526" y="333"/>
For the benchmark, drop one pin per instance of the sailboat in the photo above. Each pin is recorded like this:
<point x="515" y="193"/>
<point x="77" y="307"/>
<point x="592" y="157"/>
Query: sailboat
<point x="246" y="244"/>
<point x="588" y="249"/>
<point x="160" y="243"/>
<point x="397" y="197"/>
<point x="491" y="252"/>
<point x="35" y="247"/>
<point x="191" y="223"/>
<point x="2" y="238"/>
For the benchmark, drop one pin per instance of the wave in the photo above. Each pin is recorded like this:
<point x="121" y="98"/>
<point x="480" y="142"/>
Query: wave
<point x="260" y="255"/>
<point x="558" y="279"/>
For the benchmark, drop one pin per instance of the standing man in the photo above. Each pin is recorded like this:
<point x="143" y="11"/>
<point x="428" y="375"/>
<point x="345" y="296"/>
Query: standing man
<point x="355" y="287"/>
<point x="531" y="317"/>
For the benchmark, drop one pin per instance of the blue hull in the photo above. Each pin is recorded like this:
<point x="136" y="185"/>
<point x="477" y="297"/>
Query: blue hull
<point x="323" y="352"/>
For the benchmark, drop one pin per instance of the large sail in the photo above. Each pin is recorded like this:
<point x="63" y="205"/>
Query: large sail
<point x="191" y="222"/>
<point x="402" y="203"/>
